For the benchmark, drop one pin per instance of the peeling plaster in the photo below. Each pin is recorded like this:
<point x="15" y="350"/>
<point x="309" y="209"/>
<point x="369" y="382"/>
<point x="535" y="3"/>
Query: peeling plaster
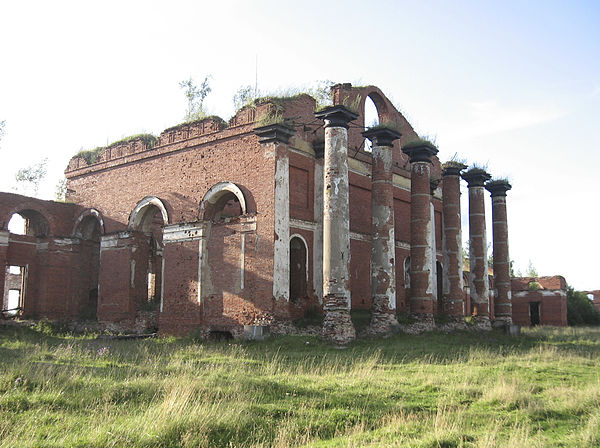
<point x="281" y="249"/>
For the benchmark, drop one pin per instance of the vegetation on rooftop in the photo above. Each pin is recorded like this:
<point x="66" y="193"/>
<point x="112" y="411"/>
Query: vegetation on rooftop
<point x="387" y="125"/>
<point x="498" y="181"/>
<point x="216" y="118"/>
<point x="420" y="141"/>
<point x="91" y="156"/>
<point x="477" y="168"/>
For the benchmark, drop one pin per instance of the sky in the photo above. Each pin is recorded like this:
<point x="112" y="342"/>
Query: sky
<point x="512" y="85"/>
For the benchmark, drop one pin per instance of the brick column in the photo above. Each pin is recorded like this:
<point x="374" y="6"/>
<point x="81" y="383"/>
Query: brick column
<point x="4" y="236"/>
<point x="383" y="250"/>
<point x="337" y="325"/>
<point x="421" y="291"/>
<point x="277" y="136"/>
<point x="478" y="277"/>
<point x="319" y="148"/>
<point x="502" y="303"/>
<point x="453" y="291"/>
<point x="433" y="184"/>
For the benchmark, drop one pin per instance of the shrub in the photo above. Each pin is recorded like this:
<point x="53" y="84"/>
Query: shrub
<point x="580" y="311"/>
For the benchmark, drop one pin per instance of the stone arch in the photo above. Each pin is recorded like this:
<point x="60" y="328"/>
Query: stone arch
<point x="83" y="227"/>
<point x="143" y="214"/>
<point x="375" y="112"/>
<point x="35" y="223"/>
<point x="298" y="267"/>
<point x="217" y="198"/>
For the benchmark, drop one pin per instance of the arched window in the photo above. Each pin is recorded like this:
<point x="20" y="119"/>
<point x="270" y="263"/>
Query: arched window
<point x="224" y="200"/>
<point x="371" y="116"/>
<point x="29" y="222"/>
<point x="298" y="267"/>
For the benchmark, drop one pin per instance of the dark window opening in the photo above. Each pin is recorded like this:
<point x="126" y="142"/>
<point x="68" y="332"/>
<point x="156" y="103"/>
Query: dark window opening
<point x="298" y="269"/>
<point x="534" y="313"/>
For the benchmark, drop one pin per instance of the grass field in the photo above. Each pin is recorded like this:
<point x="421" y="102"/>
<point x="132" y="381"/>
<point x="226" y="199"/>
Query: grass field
<point x="432" y="390"/>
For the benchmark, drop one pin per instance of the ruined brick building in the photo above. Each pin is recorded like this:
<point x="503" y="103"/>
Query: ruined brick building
<point x="255" y="221"/>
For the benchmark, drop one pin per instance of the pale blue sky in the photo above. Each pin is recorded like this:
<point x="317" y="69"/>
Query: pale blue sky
<point x="512" y="84"/>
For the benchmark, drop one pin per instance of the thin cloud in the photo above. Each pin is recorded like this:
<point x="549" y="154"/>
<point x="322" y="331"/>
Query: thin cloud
<point x="481" y="118"/>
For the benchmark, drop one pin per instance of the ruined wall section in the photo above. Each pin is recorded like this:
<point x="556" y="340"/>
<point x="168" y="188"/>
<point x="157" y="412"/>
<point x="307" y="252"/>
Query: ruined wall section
<point x="543" y="298"/>
<point x="180" y="170"/>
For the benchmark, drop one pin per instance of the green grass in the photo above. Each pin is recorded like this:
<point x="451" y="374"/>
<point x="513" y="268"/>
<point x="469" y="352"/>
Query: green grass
<point x="433" y="390"/>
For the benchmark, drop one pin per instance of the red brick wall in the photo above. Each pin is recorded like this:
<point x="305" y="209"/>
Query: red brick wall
<point x="552" y="302"/>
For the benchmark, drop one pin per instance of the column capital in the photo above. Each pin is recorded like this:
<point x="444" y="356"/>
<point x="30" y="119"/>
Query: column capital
<point x="476" y="177"/>
<point x="420" y="151"/>
<point x="452" y="168"/>
<point x="336" y="116"/>
<point x="498" y="187"/>
<point x="274" y="133"/>
<point x="381" y="136"/>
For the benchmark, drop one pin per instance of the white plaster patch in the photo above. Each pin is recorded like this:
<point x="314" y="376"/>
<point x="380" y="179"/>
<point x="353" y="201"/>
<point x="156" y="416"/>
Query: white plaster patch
<point x="183" y="232"/>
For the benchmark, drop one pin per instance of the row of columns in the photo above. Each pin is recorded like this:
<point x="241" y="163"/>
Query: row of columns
<point x="338" y="326"/>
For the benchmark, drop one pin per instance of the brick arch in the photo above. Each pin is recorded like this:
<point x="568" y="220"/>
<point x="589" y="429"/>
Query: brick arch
<point x="138" y="219"/>
<point x="216" y="193"/>
<point x="36" y="222"/>
<point x="92" y="212"/>
<point x="380" y="104"/>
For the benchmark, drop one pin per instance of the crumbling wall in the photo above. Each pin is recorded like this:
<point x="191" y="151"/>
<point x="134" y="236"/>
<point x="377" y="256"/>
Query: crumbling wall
<point x="550" y="295"/>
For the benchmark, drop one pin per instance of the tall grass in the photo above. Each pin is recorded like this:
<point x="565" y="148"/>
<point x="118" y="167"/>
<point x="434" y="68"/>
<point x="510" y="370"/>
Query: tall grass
<point x="432" y="390"/>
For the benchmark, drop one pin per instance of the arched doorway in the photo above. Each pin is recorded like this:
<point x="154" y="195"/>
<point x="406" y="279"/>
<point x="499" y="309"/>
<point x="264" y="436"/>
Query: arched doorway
<point x="149" y="216"/>
<point x="298" y="267"/>
<point x="31" y="225"/>
<point x="89" y="227"/>
<point x="223" y="269"/>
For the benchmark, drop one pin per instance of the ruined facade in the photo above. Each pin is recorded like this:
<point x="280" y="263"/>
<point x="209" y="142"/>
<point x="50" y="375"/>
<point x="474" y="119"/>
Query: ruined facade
<point x="256" y="221"/>
<point x="539" y="301"/>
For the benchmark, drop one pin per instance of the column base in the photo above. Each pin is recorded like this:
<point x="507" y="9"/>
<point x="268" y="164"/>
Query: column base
<point x="421" y="322"/>
<point x="337" y="325"/>
<point x="382" y="324"/>
<point x="502" y="321"/>
<point x="482" y="323"/>
<point x="452" y="323"/>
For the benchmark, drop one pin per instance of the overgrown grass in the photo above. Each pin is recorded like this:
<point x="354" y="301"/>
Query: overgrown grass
<point x="434" y="390"/>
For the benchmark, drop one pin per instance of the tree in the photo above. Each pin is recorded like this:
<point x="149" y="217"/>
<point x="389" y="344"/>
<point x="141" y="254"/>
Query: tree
<point x="580" y="311"/>
<point x="60" y="192"/>
<point x="28" y="179"/>
<point x="322" y="93"/>
<point x="531" y="270"/>
<point x="245" y="95"/>
<point x="195" y="96"/>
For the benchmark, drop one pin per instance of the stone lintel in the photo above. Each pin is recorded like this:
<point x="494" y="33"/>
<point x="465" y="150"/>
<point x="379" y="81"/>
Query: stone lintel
<point x="274" y="133"/>
<point x="498" y="187"/>
<point x="183" y="232"/>
<point x="381" y="136"/>
<point x="336" y="116"/>
<point x="476" y="177"/>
